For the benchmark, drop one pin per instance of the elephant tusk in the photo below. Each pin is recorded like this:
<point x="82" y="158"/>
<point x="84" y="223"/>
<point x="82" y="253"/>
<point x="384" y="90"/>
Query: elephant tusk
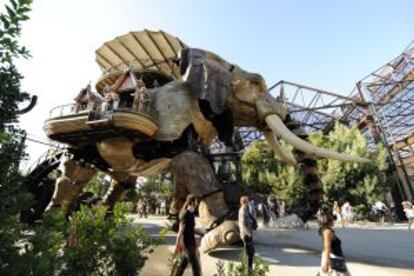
<point x="280" y="130"/>
<point x="278" y="149"/>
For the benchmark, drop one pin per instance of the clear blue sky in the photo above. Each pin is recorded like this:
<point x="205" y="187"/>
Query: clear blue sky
<point x="326" y="44"/>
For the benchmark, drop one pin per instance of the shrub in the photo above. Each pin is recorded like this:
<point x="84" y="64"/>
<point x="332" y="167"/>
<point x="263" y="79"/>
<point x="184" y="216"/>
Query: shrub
<point x="260" y="267"/>
<point x="106" y="245"/>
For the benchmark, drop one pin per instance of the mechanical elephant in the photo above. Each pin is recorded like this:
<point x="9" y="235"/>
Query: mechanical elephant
<point x="211" y="98"/>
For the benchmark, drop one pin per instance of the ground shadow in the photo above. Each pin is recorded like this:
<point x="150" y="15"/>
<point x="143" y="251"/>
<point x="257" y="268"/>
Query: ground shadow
<point x="272" y="255"/>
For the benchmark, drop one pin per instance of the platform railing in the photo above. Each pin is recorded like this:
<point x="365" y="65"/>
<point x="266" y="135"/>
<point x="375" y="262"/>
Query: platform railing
<point x="68" y="109"/>
<point x="72" y="109"/>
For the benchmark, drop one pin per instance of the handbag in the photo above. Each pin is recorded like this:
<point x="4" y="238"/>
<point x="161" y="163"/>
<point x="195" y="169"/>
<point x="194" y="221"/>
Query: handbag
<point x="338" y="264"/>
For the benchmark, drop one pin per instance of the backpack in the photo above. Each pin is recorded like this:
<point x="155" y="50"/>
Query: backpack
<point x="253" y="220"/>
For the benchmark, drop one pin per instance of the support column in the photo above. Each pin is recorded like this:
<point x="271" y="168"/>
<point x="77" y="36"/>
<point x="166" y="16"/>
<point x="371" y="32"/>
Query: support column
<point x="397" y="191"/>
<point x="119" y="184"/>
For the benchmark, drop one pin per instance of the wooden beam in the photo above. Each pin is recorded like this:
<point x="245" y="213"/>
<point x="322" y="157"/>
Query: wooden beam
<point x="115" y="53"/>
<point x="130" y="52"/>
<point x="146" y="51"/>
<point x="160" y="51"/>
<point x="104" y="59"/>
<point x="177" y="75"/>
<point x="403" y="143"/>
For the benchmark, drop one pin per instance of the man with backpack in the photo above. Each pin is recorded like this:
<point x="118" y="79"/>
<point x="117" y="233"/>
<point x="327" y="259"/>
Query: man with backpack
<point x="247" y="224"/>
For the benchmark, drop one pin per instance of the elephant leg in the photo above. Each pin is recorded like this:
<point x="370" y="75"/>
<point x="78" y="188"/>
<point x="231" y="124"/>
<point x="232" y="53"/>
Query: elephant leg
<point x="179" y="195"/>
<point x="310" y="173"/>
<point x="119" y="184"/>
<point x="314" y="186"/>
<point x="70" y="183"/>
<point x="193" y="174"/>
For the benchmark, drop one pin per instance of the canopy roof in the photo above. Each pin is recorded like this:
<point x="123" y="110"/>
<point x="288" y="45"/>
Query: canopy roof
<point x="153" y="50"/>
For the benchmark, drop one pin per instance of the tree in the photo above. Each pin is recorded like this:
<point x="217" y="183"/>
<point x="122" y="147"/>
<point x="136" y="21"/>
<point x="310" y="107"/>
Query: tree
<point x="11" y="137"/>
<point x="98" y="185"/>
<point x="154" y="188"/>
<point x="106" y="245"/>
<point x="362" y="184"/>
<point x="265" y="174"/>
<point x="10" y="30"/>
<point x="111" y="245"/>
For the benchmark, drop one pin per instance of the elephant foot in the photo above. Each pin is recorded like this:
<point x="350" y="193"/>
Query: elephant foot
<point x="225" y="234"/>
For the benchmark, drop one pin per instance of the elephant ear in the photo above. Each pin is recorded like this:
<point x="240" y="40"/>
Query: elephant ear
<point x="208" y="76"/>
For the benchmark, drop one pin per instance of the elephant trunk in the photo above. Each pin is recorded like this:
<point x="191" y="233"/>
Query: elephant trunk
<point x="33" y="101"/>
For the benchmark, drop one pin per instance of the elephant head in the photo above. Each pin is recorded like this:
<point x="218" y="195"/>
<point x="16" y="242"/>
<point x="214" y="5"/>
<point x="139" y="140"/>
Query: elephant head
<point x="230" y="96"/>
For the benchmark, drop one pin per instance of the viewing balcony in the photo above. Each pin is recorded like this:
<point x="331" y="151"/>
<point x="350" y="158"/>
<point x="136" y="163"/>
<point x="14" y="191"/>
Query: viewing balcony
<point x="74" y="123"/>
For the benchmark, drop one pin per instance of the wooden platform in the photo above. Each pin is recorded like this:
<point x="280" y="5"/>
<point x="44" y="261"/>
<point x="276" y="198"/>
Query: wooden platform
<point x="66" y="128"/>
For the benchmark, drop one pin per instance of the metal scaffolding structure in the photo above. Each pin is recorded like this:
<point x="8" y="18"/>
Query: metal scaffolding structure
<point x="381" y="105"/>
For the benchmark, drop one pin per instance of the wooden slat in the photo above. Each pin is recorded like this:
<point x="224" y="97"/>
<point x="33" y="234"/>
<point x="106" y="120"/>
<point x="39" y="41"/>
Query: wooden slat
<point x="146" y="51"/>
<point x="116" y="53"/>
<point x="160" y="51"/>
<point x="130" y="52"/>
<point x="104" y="59"/>
<point x="403" y="143"/>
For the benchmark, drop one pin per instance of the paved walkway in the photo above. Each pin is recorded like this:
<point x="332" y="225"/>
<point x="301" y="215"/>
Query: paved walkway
<point x="370" y="250"/>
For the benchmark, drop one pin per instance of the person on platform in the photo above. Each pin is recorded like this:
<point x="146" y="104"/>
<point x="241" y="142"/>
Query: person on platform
<point x="186" y="241"/>
<point x="81" y="99"/>
<point x="111" y="99"/>
<point x="141" y="98"/>
<point x="332" y="258"/>
<point x="246" y="231"/>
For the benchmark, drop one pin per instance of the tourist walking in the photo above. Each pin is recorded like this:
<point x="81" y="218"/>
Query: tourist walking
<point x="282" y="208"/>
<point x="163" y="207"/>
<point x="186" y="241"/>
<point x="140" y="208"/>
<point x="409" y="212"/>
<point x="347" y="213"/>
<point x="332" y="258"/>
<point x="271" y="206"/>
<point x="336" y="211"/>
<point x="380" y="208"/>
<point x="246" y="231"/>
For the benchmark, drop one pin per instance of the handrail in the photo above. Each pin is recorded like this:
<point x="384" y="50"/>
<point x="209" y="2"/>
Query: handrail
<point x="46" y="155"/>
<point x="67" y="109"/>
<point x="75" y="108"/>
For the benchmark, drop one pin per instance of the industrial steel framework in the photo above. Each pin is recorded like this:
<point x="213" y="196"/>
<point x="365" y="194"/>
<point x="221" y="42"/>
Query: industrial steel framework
<point x="381" y="105"/>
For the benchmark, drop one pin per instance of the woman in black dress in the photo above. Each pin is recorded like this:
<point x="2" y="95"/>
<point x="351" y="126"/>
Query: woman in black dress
<point x="333" y="260"/>
<point x="186" y="239"/>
